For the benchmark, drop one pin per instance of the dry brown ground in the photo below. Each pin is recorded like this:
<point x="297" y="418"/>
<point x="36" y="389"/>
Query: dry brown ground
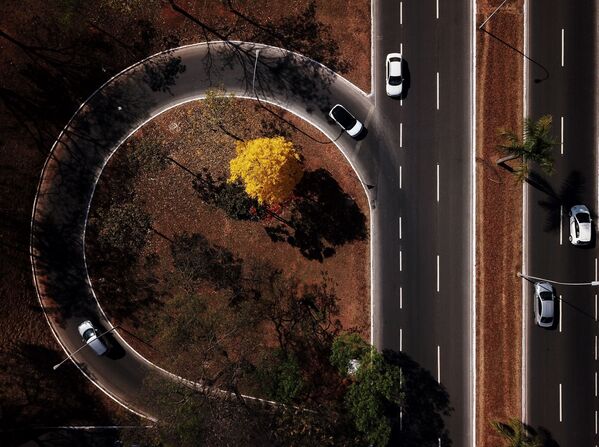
<point x="51" y="59"/>
<point x="175" y="208"/>
<point x="499" y="222"/>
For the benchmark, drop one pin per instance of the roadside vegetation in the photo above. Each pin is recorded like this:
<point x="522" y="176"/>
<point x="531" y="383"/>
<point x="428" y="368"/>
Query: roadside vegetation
<point x="54" y="55"/>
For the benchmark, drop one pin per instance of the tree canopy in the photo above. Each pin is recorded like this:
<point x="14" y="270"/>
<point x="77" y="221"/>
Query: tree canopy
<point x="269" y="168"/>
<point x="535" y="146"/>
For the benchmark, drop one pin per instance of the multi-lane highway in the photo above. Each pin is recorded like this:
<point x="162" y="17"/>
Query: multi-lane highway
<point x="561" y="365"/>
<point x="416" y="161"/>
<point x="424" y="275"/>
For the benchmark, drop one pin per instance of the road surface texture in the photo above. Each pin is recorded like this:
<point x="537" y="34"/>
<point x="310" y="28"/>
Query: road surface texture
<point x="561" y="364"/>
<point x="415" y="163"/>
<point x="424" y="264"/>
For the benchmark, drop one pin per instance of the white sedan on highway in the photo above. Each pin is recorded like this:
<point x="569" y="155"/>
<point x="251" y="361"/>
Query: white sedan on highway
<point x="393" y="78"/>
<point x="580" y="225"/>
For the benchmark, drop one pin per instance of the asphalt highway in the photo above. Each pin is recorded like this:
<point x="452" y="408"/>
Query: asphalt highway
<point x="424" y="271"/>
<point x="561" y="364"/>
<point x="415" y="163"/>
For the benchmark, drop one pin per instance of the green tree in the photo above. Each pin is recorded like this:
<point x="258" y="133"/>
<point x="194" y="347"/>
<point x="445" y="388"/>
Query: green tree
<point x="125" y="227"/>
<point x="346" y="347"/>
<point x="535" y="146"/>
<point x="517" y="434"/>
<point x="280" y="377"/>
<point x="375" y="398"/>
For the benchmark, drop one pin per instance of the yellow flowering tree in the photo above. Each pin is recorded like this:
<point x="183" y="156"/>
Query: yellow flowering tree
<point x="268" y="167"/>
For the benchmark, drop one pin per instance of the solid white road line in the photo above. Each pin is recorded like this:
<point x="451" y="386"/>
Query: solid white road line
<point x="561" y="141"/>
<point x="400" y="227"/>
<point x="437" y="9"/>
<point x="438" y="273"/>
<point x="437" y="182"/>
<point x="400" y="177"/>
<point x="561" y="224"/>
<point x="560" y="313"/>
<point x="401" y="297"/>
<point x="562" y="47"/>
<point x="438" y="363"/>
<point x="437" y="90"/>
<point x="560" y="403"/>
<point x="400" y="134"/>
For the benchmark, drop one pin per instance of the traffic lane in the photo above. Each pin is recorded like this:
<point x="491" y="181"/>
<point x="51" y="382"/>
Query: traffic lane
<point x="549" y="351"/>
<point x="559" y="400"/>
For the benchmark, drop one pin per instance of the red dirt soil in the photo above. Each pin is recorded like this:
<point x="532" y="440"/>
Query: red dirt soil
<point x="499" y="222"/>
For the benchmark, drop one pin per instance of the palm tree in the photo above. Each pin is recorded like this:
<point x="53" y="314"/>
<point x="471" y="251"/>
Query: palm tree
<point x="535" y="146"/>
<point x="517" y="434"/>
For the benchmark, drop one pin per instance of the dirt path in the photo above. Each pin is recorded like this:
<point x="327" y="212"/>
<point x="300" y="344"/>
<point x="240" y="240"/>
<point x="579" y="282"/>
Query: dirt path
<point x="499" y="105"/>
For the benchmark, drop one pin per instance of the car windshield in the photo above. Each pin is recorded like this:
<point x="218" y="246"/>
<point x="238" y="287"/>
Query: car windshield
<point x="394" y="80"/>
<point x="583" y="217"/>
<point x="344" y="118"/>
<point x="546" y="296"/>
<point x="546" y="319"/>
<point x="88" y="334"/>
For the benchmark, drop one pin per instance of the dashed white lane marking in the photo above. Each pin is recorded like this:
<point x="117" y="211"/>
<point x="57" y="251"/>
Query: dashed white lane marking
<point x="561" y="224"/>
<point x="401" y="13"/>
<point x="562" y="47"/>
<point x="561" y="140"/>
<point x="400" y="227"/>
<point x="437" y="182"/>
<point x="401" y="297"/>
<point x="595" y="383"/>
<point x="400" y="261"/>
<point x="400" y="134"/>
<point x="437" y="90"/>
<point x="438" y="284"/>
<point x="595" y="347"/>
<point x="437" y="9"/>
<point x="400" y="177"/>
<point x="438" y="363"/>
<point x="401" y="339"/>
<point x="595" y="307"/>
<point x="560" y="313"/>
<point x="595" y="423"/>
<point x="595" y="269"/>
<point x="560" y="403"/>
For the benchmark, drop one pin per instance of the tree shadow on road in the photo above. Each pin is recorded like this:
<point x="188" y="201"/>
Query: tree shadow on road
<point x="426" y="406"/>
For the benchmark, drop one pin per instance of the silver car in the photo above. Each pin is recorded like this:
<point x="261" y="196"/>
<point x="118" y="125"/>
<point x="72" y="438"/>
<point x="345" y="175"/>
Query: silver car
<point x="89" y="334"/>
<point x="544" y="304"/>
<point x="580" y="225"/>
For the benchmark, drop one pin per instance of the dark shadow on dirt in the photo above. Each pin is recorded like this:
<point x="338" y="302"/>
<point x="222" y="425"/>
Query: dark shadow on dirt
<point x="322" y="217"/>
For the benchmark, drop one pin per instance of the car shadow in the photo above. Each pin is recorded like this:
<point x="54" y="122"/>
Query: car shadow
<point x="405" y="71"/>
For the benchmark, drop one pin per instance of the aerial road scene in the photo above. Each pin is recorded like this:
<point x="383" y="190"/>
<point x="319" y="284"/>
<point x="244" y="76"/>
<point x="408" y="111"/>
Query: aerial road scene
<point x="299" y="223"/>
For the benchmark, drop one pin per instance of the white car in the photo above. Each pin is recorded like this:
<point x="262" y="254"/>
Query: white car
<point x="346" y="120"/>
<point x="580" y="225"/>
<point x="544" y="304"/>
<point x="393" y="78"/>
<point x="89" y="334"/>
